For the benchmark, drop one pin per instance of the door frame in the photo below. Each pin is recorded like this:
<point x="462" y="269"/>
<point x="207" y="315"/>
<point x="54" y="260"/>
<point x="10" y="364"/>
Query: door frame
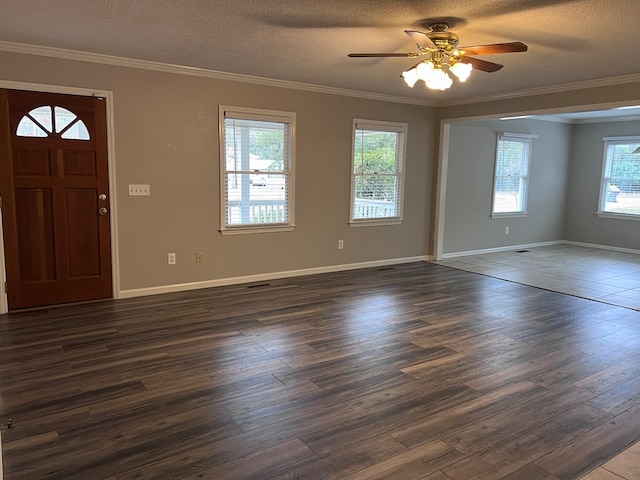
<point x="85" y="92"/>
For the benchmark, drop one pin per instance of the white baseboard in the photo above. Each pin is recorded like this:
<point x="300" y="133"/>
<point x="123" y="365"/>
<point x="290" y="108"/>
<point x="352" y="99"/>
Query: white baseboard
<point x="140" y="292"/>
<point x="603" y="247"/>
<point x="501" y="249"/>
<point x="541" y="244"/>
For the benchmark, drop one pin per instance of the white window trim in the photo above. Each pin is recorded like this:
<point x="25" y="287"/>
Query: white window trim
<point x="382" y="126"/>
<point x="257" y="114"/>
<point x="520" y="136"/>
<point x="619" y="216"/>
<point x="601" y="198"/>
<point x="509" y="214"/>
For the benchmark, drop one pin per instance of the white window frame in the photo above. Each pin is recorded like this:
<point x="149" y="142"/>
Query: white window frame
<point x="523" y="177"/>
<point x="401" y="154"/>
<point x="606" y="177"/>
<point x="289" y="120"/>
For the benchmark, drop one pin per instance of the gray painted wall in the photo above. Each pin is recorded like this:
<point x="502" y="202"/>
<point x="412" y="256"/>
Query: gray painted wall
<point x="472" y="149"/>
<point x="582" y="223"/>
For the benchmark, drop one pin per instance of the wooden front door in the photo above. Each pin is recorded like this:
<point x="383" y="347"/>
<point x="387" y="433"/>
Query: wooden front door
<point x="55" y="198"/>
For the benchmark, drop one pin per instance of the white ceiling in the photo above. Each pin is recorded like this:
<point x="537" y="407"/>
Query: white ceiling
<point x="631" y="112"/>
<point x="308" y="41"/>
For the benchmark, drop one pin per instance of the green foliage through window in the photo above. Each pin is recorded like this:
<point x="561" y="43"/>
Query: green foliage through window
<point x="269" y="144"/>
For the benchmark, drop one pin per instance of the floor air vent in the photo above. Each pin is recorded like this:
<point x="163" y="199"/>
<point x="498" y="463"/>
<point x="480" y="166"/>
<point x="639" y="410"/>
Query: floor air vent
<point x="523" y="251"/>
<point x="259" y="285"/>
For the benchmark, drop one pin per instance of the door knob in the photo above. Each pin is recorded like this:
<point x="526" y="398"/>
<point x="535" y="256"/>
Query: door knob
<point x="102" y="211"/>
<point x="102" y="196"/>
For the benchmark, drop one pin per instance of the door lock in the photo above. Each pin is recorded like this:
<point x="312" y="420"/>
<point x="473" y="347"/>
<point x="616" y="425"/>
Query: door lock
<point x="102" y="211"/>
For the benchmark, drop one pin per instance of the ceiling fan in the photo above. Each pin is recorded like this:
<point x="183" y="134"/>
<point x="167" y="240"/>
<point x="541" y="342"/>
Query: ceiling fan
<point x="440" y="48"/>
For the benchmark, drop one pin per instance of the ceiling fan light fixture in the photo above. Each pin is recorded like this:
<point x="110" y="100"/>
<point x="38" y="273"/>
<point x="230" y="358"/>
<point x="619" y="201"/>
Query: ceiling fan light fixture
<point x="461" y="70"/>
<point x="439" y="80"/>
<point x="424" y="70"/>
<point x="431" y="74"/>
<point x="439" y="48"/>
<point x="410" y="77"/>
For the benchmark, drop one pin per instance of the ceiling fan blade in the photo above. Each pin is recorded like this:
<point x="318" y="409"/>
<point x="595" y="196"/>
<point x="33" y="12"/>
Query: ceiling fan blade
<point x="495" y="48"/>
<point x="422" y="39"/>
<point x="481" y="64"/>
<point x="382" y="55"/>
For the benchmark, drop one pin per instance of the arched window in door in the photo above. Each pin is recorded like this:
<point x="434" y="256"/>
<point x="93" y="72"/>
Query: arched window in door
<point x="47" y="120"/>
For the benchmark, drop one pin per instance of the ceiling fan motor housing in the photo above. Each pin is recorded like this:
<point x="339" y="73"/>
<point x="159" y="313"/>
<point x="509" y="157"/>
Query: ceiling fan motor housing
<point x="443" y="39"/>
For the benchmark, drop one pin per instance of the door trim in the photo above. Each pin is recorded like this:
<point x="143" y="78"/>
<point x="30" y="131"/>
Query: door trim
<point x="85" y="92"/>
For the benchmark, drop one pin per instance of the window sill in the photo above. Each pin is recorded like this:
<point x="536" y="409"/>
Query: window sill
<point x="619" y="216"/>
<point x="508" y="214"/>
<point x="375" y="222"/>
<point x="255" y="229"/>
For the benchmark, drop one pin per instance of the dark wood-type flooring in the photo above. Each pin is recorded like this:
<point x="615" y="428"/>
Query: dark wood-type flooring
<point x="417" y="371"/>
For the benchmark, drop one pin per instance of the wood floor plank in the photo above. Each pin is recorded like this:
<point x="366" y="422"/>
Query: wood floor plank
<point x="620" y="398"/>
<point x="611" y="377"/>
<point x="263" y="464"/>
<point x="403" y="413"/>
<point x="465" y="414"/>
<point x="513" y="453"/>
<point x="406" y="389"/>
<point x="414" y="464"/>
<point x="487" y="432"/>
<point x="531" y="472"/>
<point x="437" y="476"/>
<point x="593" y="448"/>
<point x="341" y="463"/>
<point x="526" y="370"/>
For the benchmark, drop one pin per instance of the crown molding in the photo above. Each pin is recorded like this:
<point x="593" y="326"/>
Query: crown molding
<point x="565" y="87"/>
<point x="77" y="55"/>
<point x="200" y="72"/>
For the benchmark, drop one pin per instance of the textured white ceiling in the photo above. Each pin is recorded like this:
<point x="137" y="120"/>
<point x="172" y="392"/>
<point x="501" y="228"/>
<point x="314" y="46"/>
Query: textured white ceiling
<point x="308" y="41"/>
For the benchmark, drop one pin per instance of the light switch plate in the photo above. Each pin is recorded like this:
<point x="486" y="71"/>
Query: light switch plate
<point x="138" y="189"/>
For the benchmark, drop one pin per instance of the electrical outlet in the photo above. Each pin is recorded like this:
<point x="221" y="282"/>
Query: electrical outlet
<point x="171" y="258"/>
<point x="506" y="230"/>
<point x="199" y="257"/>
<point x="340" y="244"/>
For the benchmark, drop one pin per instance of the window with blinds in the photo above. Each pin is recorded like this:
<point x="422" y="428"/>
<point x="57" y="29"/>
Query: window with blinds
<point x="620" y="186"/>
<point x="377" y="182"/>
<point x="511" y="180"/>
<point x="257" y="158"/>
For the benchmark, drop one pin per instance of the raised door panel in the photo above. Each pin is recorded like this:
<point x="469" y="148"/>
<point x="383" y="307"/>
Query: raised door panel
<point x="36" y="234"/>
<point x="83" y="247"/>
